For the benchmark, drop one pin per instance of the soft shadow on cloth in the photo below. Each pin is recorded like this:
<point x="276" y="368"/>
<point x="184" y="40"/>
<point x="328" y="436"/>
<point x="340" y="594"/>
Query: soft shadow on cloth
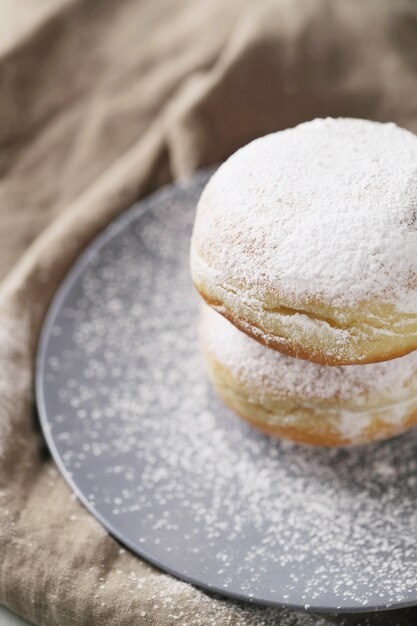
<point x="100" y="104"/>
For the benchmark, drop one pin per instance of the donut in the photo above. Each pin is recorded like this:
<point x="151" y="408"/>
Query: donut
<point x="306" y="240"/>
<point x="306" y="402"/>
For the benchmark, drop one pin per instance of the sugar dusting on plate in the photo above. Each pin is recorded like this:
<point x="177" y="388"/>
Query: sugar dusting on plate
<point x="182" y="481"/>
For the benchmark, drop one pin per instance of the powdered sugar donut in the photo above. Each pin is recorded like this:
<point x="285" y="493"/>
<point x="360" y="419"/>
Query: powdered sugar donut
<point x="306" y="239"/>
<point x="303" y="401"/>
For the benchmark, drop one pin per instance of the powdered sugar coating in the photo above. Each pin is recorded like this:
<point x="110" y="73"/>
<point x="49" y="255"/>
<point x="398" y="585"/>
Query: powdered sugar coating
<point x="325" y="211"/>
<point x="390" y="381"/>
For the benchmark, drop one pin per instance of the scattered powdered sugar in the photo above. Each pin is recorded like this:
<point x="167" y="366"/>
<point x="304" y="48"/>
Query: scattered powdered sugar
<point x="181" y="604"/>
<point x="323" y="211"/>
<point x="363" y="385"/>
<point x="181" y="480"/>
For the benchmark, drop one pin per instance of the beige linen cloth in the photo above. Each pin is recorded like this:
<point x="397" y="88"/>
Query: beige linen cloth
<point x="102" y="101"/>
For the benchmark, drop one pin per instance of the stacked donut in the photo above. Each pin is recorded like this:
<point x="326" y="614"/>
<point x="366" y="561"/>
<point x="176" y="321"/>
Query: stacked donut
<point x="305" y="249"/>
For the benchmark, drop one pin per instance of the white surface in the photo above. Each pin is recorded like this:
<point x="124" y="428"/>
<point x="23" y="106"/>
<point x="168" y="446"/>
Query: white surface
<point x="7" y="618"/>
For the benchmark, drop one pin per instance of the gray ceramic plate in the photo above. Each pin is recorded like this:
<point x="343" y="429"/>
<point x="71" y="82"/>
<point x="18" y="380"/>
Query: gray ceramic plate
<point x="135" y="428"/>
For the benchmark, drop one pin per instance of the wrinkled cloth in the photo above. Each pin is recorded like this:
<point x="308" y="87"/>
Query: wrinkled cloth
<point x="100" y="103"/>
